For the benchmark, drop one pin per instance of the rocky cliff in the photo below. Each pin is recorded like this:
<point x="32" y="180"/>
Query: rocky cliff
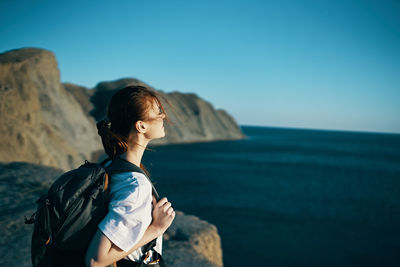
<point x="192" y="119"/>
<point x="82" y="95"/>
<point x="40" y="121"/>
<point x="46" y="122"/>
<point x="189" y="241"/>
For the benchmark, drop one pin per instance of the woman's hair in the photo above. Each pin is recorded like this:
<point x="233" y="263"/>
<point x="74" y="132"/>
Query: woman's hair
<point x="125" y="108"/>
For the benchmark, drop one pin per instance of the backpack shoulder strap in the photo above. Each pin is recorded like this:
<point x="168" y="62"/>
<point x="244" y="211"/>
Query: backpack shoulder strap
<point x="120" y="165"/>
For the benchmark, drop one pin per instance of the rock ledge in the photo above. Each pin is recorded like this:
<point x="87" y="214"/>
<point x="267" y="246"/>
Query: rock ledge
<point x="189" y="241"/>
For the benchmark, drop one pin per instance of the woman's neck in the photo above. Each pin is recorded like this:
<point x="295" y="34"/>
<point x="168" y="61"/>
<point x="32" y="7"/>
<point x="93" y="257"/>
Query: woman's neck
<point x="135" y="152"/>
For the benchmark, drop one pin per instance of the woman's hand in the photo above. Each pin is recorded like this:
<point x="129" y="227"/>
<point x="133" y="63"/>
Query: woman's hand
<point x="103" y="252"/>
<point x="163" y="214"/>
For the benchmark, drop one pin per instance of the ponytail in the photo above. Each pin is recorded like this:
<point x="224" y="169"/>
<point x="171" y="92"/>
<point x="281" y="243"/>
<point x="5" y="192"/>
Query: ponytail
<point x="126" y="107"/>
<point x="113" y="143"/>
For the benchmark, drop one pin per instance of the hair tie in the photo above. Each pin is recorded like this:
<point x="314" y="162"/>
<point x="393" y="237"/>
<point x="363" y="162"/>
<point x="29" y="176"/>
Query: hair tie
<point x="104" y="123"/>
<point x="107" y="123"/>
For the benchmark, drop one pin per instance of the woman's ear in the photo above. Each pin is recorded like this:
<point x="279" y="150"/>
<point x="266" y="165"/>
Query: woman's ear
<point x="140" y="127"/>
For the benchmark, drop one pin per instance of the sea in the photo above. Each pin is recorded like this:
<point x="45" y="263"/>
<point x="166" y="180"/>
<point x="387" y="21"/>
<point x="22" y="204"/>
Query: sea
<point x="290" y="197"/>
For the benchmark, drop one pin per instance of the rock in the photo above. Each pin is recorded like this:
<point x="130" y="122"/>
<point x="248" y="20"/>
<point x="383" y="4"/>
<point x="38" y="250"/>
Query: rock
<point x="192" y="242"/>
<point x="103" y="92"/>
<point x="46" y="122"/>
<point x="82" y="95"/>
<point x="195" y="120"/>
<point x="21" y="184"/>
<point x="188" y="241"/>
<point x="40" y="121"/>
<point x="192" y="118"/>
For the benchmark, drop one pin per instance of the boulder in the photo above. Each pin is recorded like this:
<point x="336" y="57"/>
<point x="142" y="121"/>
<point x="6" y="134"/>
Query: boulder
<point x="191" y="241"/>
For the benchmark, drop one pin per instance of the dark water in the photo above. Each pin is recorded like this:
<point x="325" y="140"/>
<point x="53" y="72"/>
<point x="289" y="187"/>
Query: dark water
<point x="288" y="197"/>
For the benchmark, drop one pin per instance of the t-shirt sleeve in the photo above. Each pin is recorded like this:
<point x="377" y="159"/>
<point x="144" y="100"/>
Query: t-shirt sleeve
<point x="129" y="213"/>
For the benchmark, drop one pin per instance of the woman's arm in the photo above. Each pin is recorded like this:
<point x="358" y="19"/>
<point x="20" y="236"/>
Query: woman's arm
<point x="103" y="252"/>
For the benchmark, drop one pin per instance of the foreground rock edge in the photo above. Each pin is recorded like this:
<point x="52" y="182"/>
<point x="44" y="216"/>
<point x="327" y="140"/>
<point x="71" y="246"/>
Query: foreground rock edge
<point x="190" y="241"/>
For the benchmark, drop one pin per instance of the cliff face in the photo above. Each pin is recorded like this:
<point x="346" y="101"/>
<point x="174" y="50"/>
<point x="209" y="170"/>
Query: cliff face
<point x="40" y="121"/>
<point x="189" y="241"/>
<point x="82" y="95"/>
<point x="46" y="122"/>
<point x="192" y="118"/>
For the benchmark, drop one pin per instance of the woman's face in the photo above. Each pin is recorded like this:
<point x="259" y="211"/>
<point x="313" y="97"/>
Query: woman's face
<point x="155" y="122"/>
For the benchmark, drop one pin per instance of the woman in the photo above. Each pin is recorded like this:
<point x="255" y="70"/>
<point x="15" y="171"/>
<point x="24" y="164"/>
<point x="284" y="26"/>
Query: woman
<point x="135" y="117"/>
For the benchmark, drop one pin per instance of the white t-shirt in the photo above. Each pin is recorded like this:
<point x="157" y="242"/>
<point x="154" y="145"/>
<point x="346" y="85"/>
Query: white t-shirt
<point x="130" y="213"/>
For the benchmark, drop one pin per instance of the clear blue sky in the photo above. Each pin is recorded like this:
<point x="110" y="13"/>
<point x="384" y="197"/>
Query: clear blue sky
<point x="305" y="64"/>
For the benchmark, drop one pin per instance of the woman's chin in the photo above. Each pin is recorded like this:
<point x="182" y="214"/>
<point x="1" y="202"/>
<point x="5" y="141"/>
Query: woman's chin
<point x="162" y="135"/>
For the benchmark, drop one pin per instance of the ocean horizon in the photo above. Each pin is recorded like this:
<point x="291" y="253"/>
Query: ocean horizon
<point x="290" y="197"/>
<point x="318" y="129"/>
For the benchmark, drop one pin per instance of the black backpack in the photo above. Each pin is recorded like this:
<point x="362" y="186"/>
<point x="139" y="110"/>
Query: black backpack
<point x="67" y="216"/>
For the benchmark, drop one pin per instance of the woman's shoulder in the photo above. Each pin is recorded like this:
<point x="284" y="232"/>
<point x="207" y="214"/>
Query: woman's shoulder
<point x="130" y="184"/>
<point x="133" y="178"/>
